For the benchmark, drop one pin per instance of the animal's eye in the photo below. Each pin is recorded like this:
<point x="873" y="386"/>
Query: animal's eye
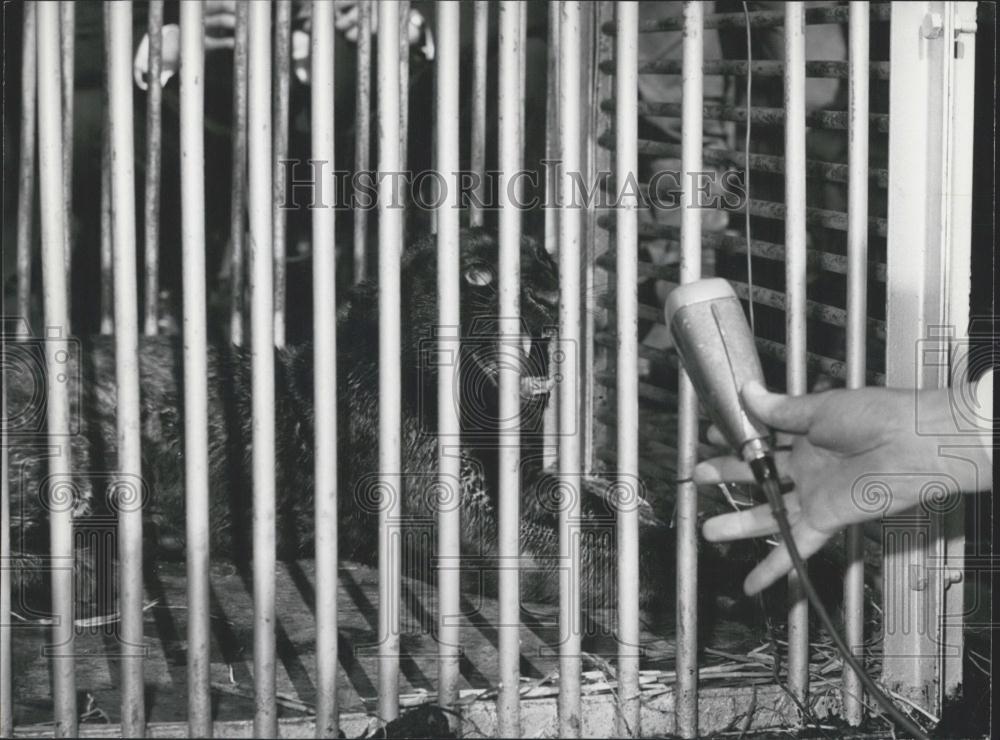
<point x="479" y="275"/>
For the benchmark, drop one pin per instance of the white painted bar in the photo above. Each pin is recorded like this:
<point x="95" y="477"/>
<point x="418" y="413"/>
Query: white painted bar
<point x="928" y="256"/>
<point x="57" y="400"/>
<point x="238" y="197"/>
<point x="129" y="494"/>
<point x="627" y="309"/>
<point x="570" y="339"/>
<point x="857" y="313"/>
<point x="282" y="81"/>
<point x="477" y="161"/>
<point x="686" y="514"/>
<point x="362" y="136"/>
<point x="550" y="418"/>
<point x="509" y="126"/>
<point x="262" y="344"/>
<point x="26" y="166"/>
<point x="196" y="464"/>
<point x="390" y="249"/>
<point x="795" y="291"/>
<point x="151" y="204"/>
<point x="325" y="367"/>
<point x="447" y="80"/>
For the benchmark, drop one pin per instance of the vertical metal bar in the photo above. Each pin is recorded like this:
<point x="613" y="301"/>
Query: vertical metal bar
<point x="57" y="398"/>
<point x="151" y="204"/>
<point x="129" y="494"/>
<point x="238" y="198"/>
<point x="477" y="154"/>
<point x="509" y="110"/>
<point x="857" y="312"/>
<point x="282" y="80"/>
<point x="627" y="306"/>
<point x="404" y="80"/>
<point x="550" y="417"/>
<point x="795" y="289"/>
<point x="931" y="100"/>
<point x="447" y="117"/>
<point x="686" y="514"/>
<point x="570" y="336"/>
<point x="552" y="127"/>
<point x="67" y="46"/>
<point x="362" y="140"/>
<point x="26" y="166"/>
<point x="389" y="369"/>
<point x="265" y="721"/>
<point x="195" y="366"/>
<point x="325" y="367"/>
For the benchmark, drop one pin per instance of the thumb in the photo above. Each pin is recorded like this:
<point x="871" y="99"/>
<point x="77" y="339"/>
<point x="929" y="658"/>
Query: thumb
<point x="783" y="413"/>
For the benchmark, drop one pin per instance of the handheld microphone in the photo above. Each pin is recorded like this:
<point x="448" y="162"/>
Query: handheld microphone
<point x="718" y="352"/>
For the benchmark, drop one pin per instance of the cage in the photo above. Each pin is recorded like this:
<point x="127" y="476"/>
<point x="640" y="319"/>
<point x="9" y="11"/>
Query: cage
<point x="310" y="159"/>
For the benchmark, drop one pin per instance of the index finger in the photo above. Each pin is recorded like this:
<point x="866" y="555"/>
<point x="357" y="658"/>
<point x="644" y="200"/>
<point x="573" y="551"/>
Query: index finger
<point x="756" y="522"/>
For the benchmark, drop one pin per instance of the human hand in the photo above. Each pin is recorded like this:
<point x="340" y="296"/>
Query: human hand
<point x="841" y="437"/>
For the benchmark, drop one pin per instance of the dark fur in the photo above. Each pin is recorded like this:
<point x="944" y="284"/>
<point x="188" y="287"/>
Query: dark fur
<point x="230" y="431"/>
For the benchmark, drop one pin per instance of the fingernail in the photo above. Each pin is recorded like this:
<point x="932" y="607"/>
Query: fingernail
<point x="710" y="530"/>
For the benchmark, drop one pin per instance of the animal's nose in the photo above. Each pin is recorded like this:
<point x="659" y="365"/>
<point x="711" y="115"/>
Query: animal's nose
<point x="548" y="298"/>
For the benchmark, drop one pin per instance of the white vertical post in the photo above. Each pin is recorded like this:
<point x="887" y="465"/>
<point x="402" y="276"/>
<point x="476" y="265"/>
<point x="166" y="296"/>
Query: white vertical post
<point x="481" y="22"/>
<point x="389" y="370"/>
<point x="57" y="399"/>
<point x="324" y="368"/>
<point x="362" y="128"/>
<point x="129" y="493"/>
<point x="627" y="309"/>
<point x="195" y="335"/>
<point x="449" y="285"/>
<point x="550" y="417"/>
<point x="509" y="108"/>
<point x="151" y="203"/>
<point x="928" y="255"/>
<point x="570" y="339"/>
<point x="795" y="291"/>
<point x="262" y="344"/>
<point x="687" y="406"/>
<point x="857" y="315"/>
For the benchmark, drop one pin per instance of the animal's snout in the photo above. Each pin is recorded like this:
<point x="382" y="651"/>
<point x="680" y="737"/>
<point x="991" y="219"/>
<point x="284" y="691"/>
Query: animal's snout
<point x="548" y="298"/>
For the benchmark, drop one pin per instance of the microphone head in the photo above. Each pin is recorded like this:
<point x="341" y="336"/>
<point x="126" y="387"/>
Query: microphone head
<point x="707" y="289"/>
<point x="719" y="354"/>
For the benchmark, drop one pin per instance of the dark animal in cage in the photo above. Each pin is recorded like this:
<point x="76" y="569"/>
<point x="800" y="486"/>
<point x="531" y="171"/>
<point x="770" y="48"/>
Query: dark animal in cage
<point x="230" y="450"/>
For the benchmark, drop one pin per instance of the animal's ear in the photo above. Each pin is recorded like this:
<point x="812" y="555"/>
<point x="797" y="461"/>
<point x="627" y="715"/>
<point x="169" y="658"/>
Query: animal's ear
<point x="478" y="275"/>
